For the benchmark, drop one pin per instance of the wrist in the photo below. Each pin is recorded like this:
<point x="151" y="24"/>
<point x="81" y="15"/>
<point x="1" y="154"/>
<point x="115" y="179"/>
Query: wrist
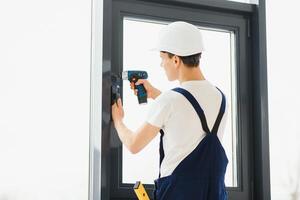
<point x="118" y="123"/>
<point x="156" y="93"/>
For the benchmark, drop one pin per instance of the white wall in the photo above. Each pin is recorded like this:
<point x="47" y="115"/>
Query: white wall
<point x="284" y="98"/>
<point x="44" y="99"/>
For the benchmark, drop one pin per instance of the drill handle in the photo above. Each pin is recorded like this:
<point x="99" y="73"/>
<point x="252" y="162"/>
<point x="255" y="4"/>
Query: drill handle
<point x="141" y="93"/>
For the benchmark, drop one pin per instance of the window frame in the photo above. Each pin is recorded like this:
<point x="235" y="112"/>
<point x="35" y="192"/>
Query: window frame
<point x="251" y="94"/>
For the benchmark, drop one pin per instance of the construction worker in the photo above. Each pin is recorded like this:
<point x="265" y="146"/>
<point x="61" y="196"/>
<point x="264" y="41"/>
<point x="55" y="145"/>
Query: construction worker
<point x="190" y="120"/>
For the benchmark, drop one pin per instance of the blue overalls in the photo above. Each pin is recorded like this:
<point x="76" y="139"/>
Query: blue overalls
<point x="199" y="176"/>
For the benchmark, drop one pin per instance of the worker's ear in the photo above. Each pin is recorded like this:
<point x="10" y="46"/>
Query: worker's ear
<point x="176" y="61"/>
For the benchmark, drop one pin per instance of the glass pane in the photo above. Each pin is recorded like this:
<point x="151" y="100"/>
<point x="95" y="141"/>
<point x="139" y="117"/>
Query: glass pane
<point x="136" y="55"/>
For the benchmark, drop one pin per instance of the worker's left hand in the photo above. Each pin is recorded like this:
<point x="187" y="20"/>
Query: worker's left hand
<point x="117" y="111"/>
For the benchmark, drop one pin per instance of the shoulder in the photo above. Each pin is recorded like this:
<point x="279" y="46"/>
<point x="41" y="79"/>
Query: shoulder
<point x="161" y="109"/>
<point x="165" y="100"/>
<point x="168" y="95"/>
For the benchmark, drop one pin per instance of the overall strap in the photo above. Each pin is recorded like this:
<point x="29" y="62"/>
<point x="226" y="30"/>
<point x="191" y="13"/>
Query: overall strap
<point x="161" y="149"/>
<point x="200" y="112"/>
<point x="221" y="113"/>
<point x="196" y="106"/>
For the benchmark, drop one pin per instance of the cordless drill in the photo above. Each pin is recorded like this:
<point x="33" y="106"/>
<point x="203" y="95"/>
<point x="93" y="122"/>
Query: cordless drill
<point x="133" y="77"/>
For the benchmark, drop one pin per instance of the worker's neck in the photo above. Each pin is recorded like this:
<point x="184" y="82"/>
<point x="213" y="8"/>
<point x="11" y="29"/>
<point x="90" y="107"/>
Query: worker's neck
<point x="190" y="74"/>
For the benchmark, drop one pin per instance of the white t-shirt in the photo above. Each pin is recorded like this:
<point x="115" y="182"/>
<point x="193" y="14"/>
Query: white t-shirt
<point x="172" y="112"/>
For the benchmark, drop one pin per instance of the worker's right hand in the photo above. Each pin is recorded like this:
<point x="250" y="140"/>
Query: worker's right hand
<point x="152" y="92"/>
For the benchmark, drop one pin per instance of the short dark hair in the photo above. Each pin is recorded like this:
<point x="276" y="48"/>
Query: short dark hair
<point x="190" y="61"/>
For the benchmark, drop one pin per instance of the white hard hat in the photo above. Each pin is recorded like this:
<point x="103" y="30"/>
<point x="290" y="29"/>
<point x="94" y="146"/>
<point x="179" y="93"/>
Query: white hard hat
<point x="180" y="38"/>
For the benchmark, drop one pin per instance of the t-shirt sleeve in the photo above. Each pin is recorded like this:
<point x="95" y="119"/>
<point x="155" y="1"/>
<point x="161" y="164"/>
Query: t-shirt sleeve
<point x="160" y="110"/>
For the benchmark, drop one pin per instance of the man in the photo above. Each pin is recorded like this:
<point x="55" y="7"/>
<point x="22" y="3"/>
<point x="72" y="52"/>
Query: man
<point x="190" y="119"/>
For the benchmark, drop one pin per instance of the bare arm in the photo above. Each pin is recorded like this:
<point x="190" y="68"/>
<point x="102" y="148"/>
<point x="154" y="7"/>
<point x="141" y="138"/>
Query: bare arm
<point x="135" y="142"/>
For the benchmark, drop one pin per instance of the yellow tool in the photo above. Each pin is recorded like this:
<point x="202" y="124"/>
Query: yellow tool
<point x="140" y="191"/>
